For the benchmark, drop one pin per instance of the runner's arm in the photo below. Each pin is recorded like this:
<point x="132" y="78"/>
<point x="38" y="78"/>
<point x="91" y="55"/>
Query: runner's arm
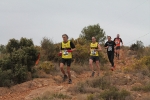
<point x="73" y="48"/>
<point x="61" y="48"/>
<point x="106" y="46"/>
<point x="114" y="39"/>
<point x="115" y="45"/>
<point x="99" y="48"/>
<point x="121" y="41"/>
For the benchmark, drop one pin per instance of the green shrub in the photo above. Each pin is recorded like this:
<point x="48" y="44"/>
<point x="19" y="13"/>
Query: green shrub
<point x="114" y="94"/>
<point x="53" y="96"/>
<point x="18" y="62"/>
<point x="47" y="66"/>
<point x="138" y="47"/>
<point x="20" y="73"/>
<point x="93" y="30"/>
<point x="60" y="96"/>
<point x="24" y="42"/>
<point x="80" y="88"/>
<point x="5" y="63"/>
<point x="140" y="65"/>
<point x="2" y="49"/>
<point x="49" y="50"/>
<point x="12" y="45"/>
<point x="90" y="97"/>
<point x="6" y="78"/>
<point x="145" y="88"/>
<point x="91" y="86"/>
<point x="100" y="82"/>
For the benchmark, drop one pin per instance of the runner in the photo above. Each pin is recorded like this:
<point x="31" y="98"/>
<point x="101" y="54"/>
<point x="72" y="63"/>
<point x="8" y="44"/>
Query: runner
<point x="94" y="56"/>
<point x="67" y="47"/>
<point x="118" y="40"/>
<point x="110" y="45"/>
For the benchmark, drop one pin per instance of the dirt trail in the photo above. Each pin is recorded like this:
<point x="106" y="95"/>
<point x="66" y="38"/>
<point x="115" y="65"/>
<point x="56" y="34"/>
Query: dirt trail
<point x="32" y="89"/>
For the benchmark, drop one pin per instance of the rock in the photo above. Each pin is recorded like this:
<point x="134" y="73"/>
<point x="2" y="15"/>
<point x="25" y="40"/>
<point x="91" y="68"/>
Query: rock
<point x="128" y="77"/>
<point x="73" y="74"/>
<point x="58" y="79"/>
<point x="139" y="95"/>
<point x="59" y="88"/>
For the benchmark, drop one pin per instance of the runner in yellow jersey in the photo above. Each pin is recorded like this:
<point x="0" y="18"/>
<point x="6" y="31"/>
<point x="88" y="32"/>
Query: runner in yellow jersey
<point x="67" y="47"/>
<point x="94" y="56"/>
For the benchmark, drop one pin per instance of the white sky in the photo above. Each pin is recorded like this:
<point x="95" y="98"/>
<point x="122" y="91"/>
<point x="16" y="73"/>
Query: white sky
<point x="51" y="18"/>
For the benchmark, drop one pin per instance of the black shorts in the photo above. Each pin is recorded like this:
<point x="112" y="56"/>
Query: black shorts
<point x="64" y="61"/>
<point x="118" y="48"/>
<point x="94" y="58"/>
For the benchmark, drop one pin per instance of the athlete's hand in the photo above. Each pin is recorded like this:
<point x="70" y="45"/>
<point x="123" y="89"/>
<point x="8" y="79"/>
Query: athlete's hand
<point x="106" y="47"/>
<point x="95" y="50"/>
<point x="69" y="50"/>
<point x="60" y="54"/>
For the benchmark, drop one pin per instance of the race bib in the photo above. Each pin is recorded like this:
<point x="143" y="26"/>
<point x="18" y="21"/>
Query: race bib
<point x="65" y="52"/>
<point x="116" y="42"/>
<point x="93" y="52"/>
<point x="110" y="48"/>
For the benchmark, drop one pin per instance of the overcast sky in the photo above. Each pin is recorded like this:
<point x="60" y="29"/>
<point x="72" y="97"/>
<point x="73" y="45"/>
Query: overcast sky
<point x="51" y="18"/>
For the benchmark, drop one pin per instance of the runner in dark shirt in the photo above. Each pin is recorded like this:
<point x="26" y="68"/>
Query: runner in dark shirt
<point x="110" y="45"/>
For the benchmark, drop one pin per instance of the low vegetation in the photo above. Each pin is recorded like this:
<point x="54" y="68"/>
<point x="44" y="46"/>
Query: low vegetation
<point x="18" y="61"/>
<point x="99" y="88"/>
<point x="53" y="96"/>
<point x="145" y="88"/>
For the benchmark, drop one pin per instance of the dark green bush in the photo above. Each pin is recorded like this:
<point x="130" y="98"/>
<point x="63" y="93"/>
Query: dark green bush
<point x="20" y="73"/>
<point x="5" y="63"/>
<point x="24" y="42"/>
<point x="2" y="49"/>
<point x="6" y="78"/>
<point x="20" y="59"/>
<point x="49" y="49"/>
<point x="12" y="45"/>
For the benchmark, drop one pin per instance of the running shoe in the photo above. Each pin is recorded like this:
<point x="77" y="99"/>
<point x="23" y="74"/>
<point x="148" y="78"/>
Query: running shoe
<point x="70" y="81"/>
<point x="93" y="73"/>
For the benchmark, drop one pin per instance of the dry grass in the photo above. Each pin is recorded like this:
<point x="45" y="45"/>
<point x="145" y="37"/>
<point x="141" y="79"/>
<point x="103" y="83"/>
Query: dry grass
<point x="145" y="88"/>
<point x="91" y="85"/>
<point x="79" y="68"/>
<point x="53" y="96"/>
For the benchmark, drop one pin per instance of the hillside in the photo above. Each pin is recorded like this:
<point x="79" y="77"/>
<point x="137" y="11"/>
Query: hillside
<point x="84" y="87"/>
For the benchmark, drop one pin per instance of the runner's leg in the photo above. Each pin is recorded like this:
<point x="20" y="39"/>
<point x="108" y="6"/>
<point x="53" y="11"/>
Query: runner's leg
<point x="68" y="71"/>
<point x="62" y="68"/>
<point x="98" y="66"/>
<point x="118" y="51"/>
<point x="68" y="68"/>
<point x="109" y="57"/>
<point x="91" y="64"/>
<point x="112" y="59"/>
